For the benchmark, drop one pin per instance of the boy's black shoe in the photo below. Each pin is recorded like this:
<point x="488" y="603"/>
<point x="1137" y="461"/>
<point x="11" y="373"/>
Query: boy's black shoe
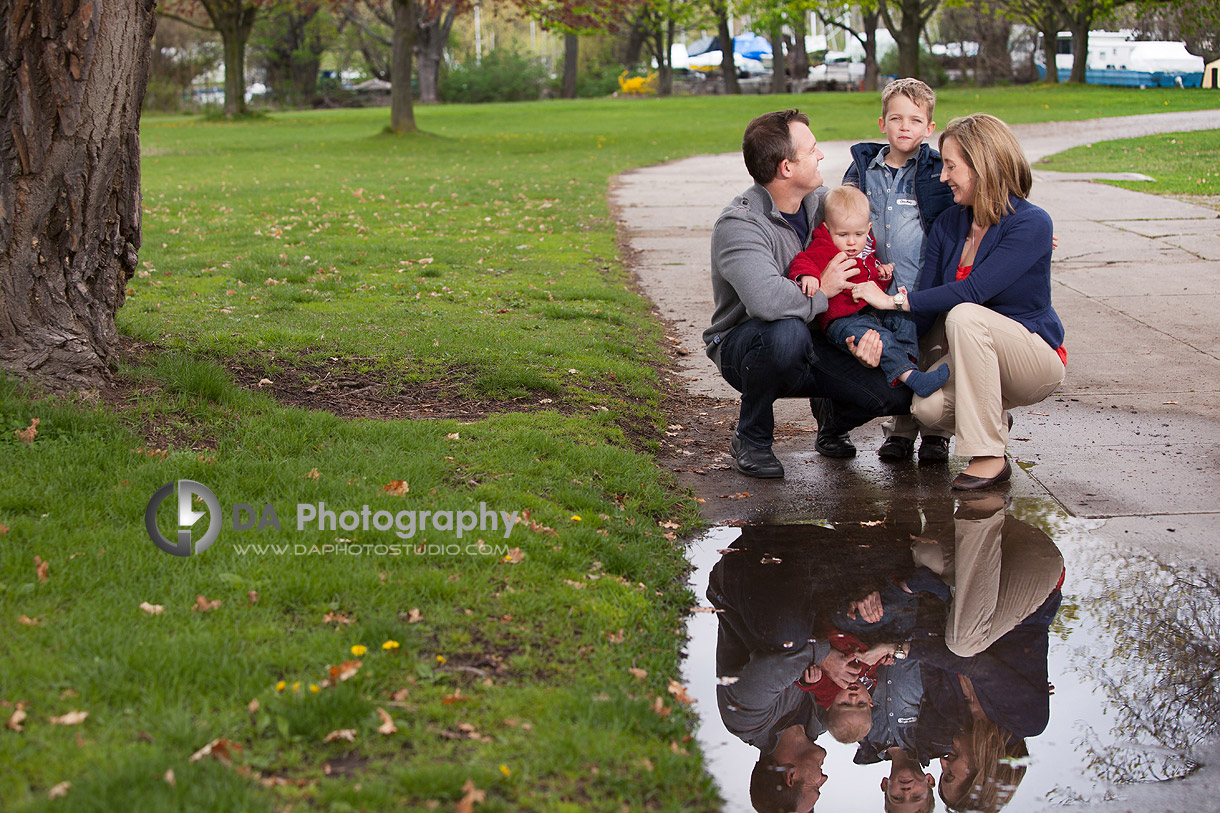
<point x="896" y="449"/>
<point x="753" y="461"/>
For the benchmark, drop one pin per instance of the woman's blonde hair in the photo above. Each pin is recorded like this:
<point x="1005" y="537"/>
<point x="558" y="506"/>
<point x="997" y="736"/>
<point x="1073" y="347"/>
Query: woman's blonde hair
<point x="999" y="766"/>
<point x="992" y="151"/>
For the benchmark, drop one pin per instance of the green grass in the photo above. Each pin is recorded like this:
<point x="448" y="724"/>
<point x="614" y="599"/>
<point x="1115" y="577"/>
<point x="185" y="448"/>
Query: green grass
<point x="1180" y="163"/>
<point x="474" y="265"/>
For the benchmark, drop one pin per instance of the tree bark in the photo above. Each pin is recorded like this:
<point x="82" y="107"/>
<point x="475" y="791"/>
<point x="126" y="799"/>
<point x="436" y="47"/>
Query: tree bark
<point x="800" y="57"/>
<point x="870" y="49"/>
<point x="779" y="76"/>
<point x="402" y="113"/>
<point x="728" y="66"/>
<point x="71" y="89"/>
<point x="233" y="20"/>
<point x="1050" y="47"/>
<point x="665" y="83"/>
<point x="1079" y="21"/>
<point x="571" y="54"/>
<point x="430" y="46"/>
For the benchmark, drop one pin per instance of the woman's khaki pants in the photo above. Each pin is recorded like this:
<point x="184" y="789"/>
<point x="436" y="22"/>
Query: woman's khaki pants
<point x="995" y="364"/>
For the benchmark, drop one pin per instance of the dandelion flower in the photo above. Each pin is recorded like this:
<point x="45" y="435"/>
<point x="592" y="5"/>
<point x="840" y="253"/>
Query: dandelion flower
<point x="296" y="685"/>
<point x="359" y="649"/>
<point x="313" y="687"/>
<point x="279" y="687"/>
<point x="504" y="770"/>
<point x="390" y="645"/>
<point x="576" y="517"/>
<point x="441" y="659"/>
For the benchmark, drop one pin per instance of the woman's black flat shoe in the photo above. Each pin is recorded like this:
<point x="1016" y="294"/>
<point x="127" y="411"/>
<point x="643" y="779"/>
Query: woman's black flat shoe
<point x="968" y="482"/>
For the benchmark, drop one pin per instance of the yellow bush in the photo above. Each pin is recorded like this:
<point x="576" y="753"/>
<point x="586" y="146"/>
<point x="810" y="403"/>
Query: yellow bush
<point x="638" y="85"/>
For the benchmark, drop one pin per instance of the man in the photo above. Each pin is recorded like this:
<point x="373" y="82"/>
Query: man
<point x="760" y="338"/>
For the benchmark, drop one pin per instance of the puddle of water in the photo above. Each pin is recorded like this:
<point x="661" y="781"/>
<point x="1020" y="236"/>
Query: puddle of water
<point x="1132" y="650"/>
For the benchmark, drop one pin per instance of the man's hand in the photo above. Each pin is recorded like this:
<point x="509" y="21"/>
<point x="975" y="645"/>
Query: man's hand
<point x="885" y="271"/>
<point x="808" y="283"/>
<point x="869" y="608"/>
<point x="841" y="668"/>
<point x="868" y="350"/>
<point x="812" y="675"/>
<point x="836" y="273"/>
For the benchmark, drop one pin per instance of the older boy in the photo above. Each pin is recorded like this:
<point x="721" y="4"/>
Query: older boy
<point x="902" y="181"/>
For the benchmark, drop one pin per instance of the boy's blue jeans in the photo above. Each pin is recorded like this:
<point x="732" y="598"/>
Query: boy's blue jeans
<point x="900" y="343"/>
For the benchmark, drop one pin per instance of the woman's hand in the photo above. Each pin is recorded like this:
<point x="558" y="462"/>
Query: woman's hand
<point x="868" y="350"/>
<point x="876" y="652"/>
<point x="836" y="273"/>
<point x="871" y="293"/>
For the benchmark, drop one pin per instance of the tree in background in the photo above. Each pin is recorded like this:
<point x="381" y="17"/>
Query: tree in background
<point x="574" y="18"/>
<point x="659" y="21"/>
<point x="988" y="25"/>
<point x="1047" y="17"/>
<point x="914" y="15"/>
<point x="289" y="41"/>
<point x="830" y="13"/>
<point x="1196" y="22"/>
<point x="233" y="20"/>
<point x="722" y="10"/>
<point x="70" y="217"/>
<point x="178" y="55"/>
<point x="434" y="20"/>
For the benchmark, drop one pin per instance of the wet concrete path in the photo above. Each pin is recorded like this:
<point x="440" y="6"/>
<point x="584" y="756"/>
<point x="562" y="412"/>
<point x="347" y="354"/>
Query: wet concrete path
<point x="1121" y="467"/>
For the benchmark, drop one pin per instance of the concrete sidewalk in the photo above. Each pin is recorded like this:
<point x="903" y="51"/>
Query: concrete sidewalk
<point x="1133" y="436"/>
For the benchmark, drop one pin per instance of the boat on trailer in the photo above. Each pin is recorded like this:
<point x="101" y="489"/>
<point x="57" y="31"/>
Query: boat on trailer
<point x="1116" y="58"/>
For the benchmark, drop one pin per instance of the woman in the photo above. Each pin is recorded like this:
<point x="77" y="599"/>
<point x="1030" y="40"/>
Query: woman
<point x="987" y="268"/>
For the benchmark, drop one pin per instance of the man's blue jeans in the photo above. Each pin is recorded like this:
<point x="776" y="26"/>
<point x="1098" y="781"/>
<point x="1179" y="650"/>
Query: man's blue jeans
<point x="783" y="359"/>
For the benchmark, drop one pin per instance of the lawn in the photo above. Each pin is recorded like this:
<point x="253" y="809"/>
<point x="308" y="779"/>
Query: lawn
<point x="327" y="314"/>
<point x="1181" y="164"/>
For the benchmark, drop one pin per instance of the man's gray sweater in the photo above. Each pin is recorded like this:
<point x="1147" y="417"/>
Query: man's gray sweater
<point x="752" y="246"/>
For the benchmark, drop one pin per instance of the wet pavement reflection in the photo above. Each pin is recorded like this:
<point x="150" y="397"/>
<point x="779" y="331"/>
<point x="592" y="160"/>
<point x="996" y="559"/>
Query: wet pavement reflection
<point x="967" y="653"/>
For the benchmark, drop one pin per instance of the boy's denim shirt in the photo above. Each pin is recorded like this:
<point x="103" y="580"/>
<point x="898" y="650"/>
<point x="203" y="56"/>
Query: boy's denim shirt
<point x="902" y="208"/>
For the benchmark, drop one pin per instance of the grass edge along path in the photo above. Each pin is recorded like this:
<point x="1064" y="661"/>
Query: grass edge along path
<point x="541" y="672"/>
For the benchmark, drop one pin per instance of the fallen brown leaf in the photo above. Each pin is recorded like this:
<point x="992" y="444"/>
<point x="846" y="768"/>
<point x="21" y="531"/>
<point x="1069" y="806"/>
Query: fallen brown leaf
<point x="169" y="777"/>
<point x="29" y="622"/>
<point x="61" y="790"/>
<point x="219" y="749"/>
<point x="514" y="556"/>
<point x="204" y="605"/>
<point x="387" y="722"/>
<point x="617" y="637"/>
<point x="336" y="618"/>
<point x="253" y="596"/>
<point x="659" y="708"/>
<point x="253" y="706"/>
<point x="40" y="567"/>
<point x="27" y="435"/>
<point x="348" y="734"/>
<point x="16" y="718"/>
<point x="473" y="796"/>
<point x="638" y="674"/>
<point x="313" y="474"/>
<point x="414" y="616"/>
<point x="679" y="693"/>
<point x="151" y="609"/>
<point x="345" y="670"/>
<point x="74" y="717"/>
<point x="396" y="488"/>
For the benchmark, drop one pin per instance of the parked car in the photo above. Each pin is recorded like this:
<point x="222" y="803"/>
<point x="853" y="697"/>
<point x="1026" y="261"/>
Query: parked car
<point x="837" y="70"/>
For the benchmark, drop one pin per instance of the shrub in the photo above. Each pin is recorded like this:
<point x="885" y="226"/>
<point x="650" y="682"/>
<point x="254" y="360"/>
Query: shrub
<point x="504" y="75"/>
<point x="930" y="68"/>
<point x="638" y="85"/>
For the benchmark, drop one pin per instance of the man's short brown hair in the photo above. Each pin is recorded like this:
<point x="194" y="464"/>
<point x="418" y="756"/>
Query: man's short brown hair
<point x="915" y="90"/>
<point x="767" y="141"/>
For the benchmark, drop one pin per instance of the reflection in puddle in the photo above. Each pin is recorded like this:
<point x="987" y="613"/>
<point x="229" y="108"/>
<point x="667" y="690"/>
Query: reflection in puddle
<point x="920" y="649"/>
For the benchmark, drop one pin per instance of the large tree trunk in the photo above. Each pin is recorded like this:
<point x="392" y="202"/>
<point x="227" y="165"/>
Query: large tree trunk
<point x="432" y="37"/>
<point x="402" y="113"/>
<point x="779" y="76"/>
<point x="571" y="55"/>
<point x="665" y="84"/>
<point x="799" y="58"/>
<point x="870" y="48"/>
<point x="233" y="20"/>
<point x="908" y="50"/>
<point x="728" y="67"/>
<point x="1080" y="21"/>
<point x="1050" y="47"/>
<point x="71" y="88"/>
